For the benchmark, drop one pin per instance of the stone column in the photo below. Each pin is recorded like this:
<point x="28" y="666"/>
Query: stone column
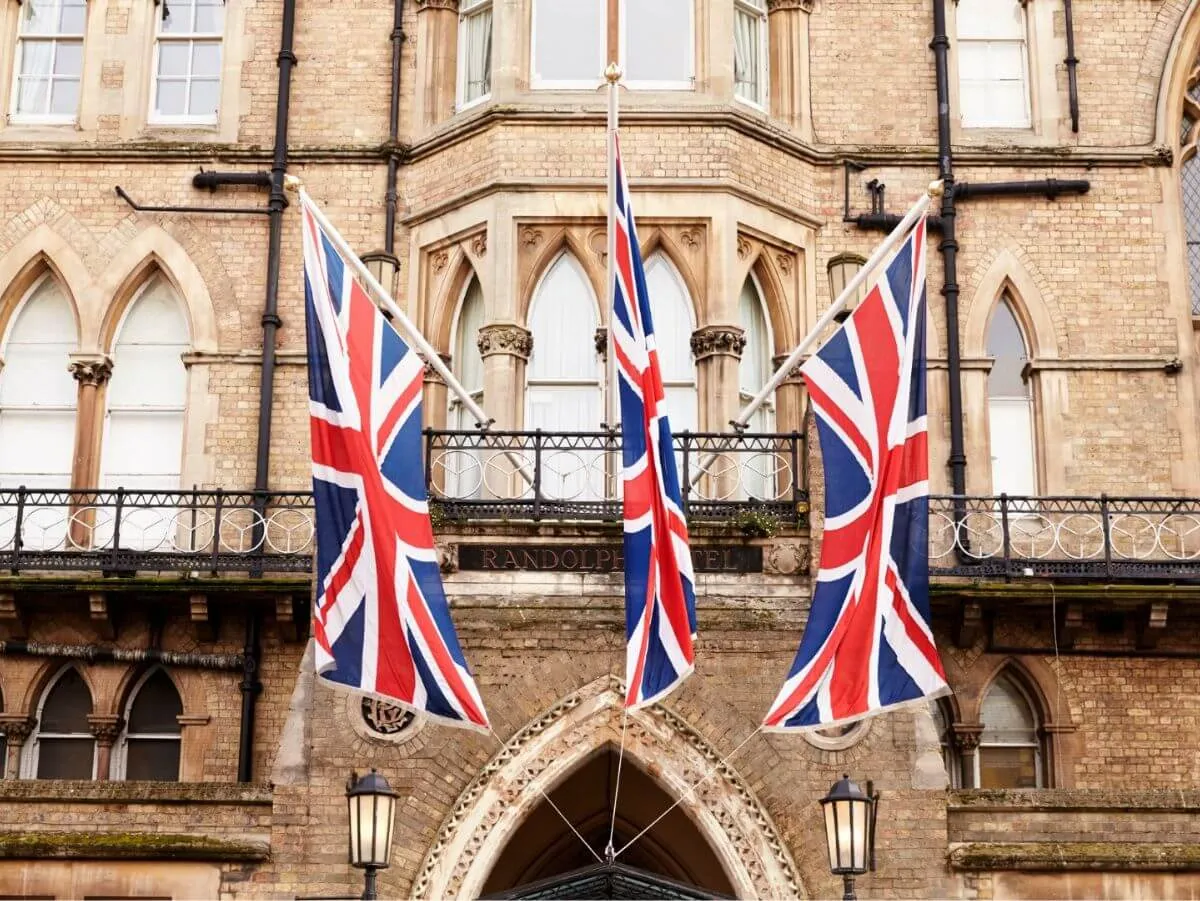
<point x="16" y="728"/>
<point x="966" y="739"/>
<point x="435" y="397"/>
<point x="106" y="727"/>
<point x="92" y="372"/>
<point x="505" y="348"/>
<point x="437" y="68"/>
<point x="787" y="25"/>
<point x="718" y="351"/>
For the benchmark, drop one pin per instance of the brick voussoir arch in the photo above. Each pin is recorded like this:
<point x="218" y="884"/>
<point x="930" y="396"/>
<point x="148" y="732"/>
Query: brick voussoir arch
<point x="549" y="748"/>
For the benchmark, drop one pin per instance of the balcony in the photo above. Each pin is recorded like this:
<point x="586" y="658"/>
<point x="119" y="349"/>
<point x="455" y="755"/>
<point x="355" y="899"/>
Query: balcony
<point x="530" y="478"/>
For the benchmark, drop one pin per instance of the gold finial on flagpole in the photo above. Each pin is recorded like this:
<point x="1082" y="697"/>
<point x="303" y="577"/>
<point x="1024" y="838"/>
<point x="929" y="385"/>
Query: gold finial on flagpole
<point x="613" y="73"/>
<point x="936" y="188"/>
<point x="292" y="183"/>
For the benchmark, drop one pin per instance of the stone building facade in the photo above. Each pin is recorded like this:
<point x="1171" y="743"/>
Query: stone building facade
<point x="163" y="733"/>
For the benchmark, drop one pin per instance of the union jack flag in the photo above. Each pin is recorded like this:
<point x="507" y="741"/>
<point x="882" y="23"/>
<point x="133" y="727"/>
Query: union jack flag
<point x="381" y="622"/>
<point x="867" y="645"/>
<point x="660" y="598"/>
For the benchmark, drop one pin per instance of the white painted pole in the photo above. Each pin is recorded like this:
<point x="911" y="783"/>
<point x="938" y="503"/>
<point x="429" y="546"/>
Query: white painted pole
<point x="409" y="331"/>
<point x="612" y="75"/>
<point x="889" y="243"/>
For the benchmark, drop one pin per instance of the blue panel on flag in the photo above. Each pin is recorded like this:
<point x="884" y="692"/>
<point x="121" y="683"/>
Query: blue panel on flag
<point x="347" y="651"/>
<point x="391" y="352"/>
<point x="339" y="506"/>
<point x="320" y="377"/>
<point x="403" y="464"/>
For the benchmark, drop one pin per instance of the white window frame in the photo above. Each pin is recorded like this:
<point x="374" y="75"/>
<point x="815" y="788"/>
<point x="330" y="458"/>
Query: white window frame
<point x="120" y="753"/>
<point x="748" y="7"/>
<point x="154" y="117"/>
<point x="581" y="84"/>
<point x="684" y="84"/>
<point x="1026" y="77"/>
<point x="18" y="118"/>
<point x="1039" y="776"/>
<point x="468" y="10"/>
<point x="29" y="757"/>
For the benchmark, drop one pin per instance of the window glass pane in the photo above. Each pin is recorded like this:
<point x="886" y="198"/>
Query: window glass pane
<point x="206" y="59"/>
<point x="67" y="706"/>
<point x="755" y="367"/>
<point x="210" y="16"/>
<point x="1001" y="767"/>
<point x="1006" y="60"/>
<point x="33" y="96"/>
<point x="563" y="321"/>
<point x="169" y="98"/>
<point x="670" y="310"/>
<point x="37" y="57"/>
<point x="64" y="97"/>
<point x="152" y="760"/>
<point x="477" y="45"/>
<point x="205" y="97"/>
<point x="467" y="359"/>
<point x="143" y="443"/>
<point x="36" y="443"/>
<point x="1006" y="716"/>
<point x="990" y="19"/>
<point x="747" y="55"/>
<point x="65" y="758"/>
<point x="658" y="40"/>
<point x="39" y="17"/>
<point x="1006" y="345"/>
<point x="177" y="17"/>
<point x="72" y="17"/>
<point x="569" y="40"/>
<point x="68" y="58"/>
<point x="156" y="706"/>
<point x="173" y="59"/>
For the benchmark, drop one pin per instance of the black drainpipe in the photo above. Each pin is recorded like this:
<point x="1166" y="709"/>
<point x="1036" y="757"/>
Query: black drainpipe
<point x="276" y="203"/>
<point x="1072" y="62"/>
<point x="949" y="250"/>
<point x="389" y="224"/>
<point x="251" y="687"/>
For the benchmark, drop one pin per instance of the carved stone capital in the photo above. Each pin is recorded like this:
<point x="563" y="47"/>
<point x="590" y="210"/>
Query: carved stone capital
<point x="713" y="340"/>
<point x="602" y="342"/>
<point x="423" y="5"/>
<point x="92" y="370"/>
<point x="966" y="737"/>
<point x="105" y="727"/>
<point x="773" y="6"/>
<point x="432" y="375"/>
<point x="16" y="727"/>
<point x="505" y="338"/>
<point x="479" y="244"/>
<point x="793" y="377"/>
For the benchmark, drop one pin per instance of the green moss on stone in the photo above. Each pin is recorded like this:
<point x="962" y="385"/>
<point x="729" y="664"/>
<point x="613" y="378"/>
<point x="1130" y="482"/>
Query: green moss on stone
<point x="1075" y="856"/>
<point x="125" y="846"/>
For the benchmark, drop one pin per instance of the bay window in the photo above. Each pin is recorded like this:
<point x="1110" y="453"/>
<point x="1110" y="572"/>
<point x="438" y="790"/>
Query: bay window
<point x="474" y="51"/>
<point x="750" y="51"/>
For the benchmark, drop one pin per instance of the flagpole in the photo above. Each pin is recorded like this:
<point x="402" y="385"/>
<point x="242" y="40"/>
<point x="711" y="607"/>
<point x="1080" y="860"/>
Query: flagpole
<point x="400" y="319"/>
<point x="889" y="243"/>
<point x="612" y="75"/>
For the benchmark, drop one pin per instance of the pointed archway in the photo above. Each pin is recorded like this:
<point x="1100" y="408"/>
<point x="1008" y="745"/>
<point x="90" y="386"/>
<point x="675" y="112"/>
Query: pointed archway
<point x="569" y="747"/>
<point x="544" y="847"/>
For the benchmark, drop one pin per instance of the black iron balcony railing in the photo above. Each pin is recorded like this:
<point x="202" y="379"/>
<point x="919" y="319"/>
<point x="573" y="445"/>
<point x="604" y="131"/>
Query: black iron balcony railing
<point x="470" y="476"/>
<point x="1103" y="538"/>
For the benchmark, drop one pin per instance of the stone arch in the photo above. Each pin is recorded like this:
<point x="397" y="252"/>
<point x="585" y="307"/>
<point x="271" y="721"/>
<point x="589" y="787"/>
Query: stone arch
<point x="48" y="674"/>
<point x="658" y="241"/>
<point x="549" y="748"/>
<point x="1007" y="274"/>
<point x="444" y="308"/>
<point x="784" y="331"/>
<point x="134" y="677"/>
<point x="1037" y="679"/>
<point x="40" y="250"/>
<point x="564" y="239"/>
<point x="1166" y="76"/>
<point x="154" y="249"/>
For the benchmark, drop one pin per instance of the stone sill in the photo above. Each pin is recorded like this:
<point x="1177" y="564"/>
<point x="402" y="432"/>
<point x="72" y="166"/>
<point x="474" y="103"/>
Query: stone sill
<point x="126" y="846"/>
<point x="15" y="791"/>
<point x="150" y="583"/>
<point x="1061" y="800"/>
<point x="1076" y="856"/>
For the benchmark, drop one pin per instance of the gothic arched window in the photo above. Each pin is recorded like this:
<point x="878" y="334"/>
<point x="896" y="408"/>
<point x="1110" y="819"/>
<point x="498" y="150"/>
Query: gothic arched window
<point x="1010" y="406"/>
<point x="943" y="720"/>
<point x="1189" y="178"/>
<point x="62" y="745"/>
<point x="1010" y="752"/>
<point x="149" y="746"/>
<point x="671" y="309"/>
<point x="38" y="396"/>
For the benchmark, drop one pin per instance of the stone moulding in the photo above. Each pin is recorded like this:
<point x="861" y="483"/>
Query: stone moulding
<point x="1076" y="856"/>
<point x="126" y="846"/>
<point x="75" y="791"/>
<point x="549" y="748"/>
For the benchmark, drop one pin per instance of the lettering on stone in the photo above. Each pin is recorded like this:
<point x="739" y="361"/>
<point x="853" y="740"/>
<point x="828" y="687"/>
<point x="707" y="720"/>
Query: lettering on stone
<point x="734" y="558"/>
